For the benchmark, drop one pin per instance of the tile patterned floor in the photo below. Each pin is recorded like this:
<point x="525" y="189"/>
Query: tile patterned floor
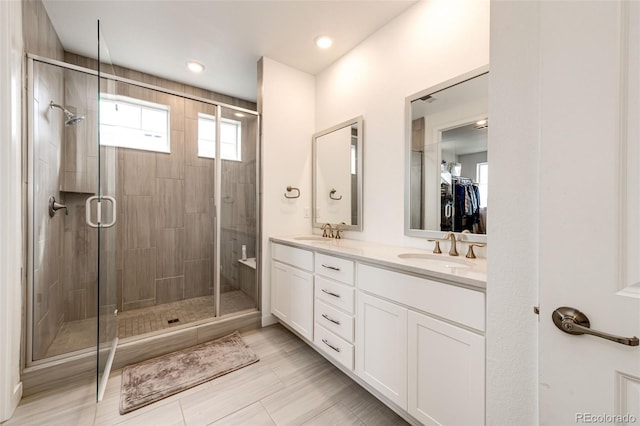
<point x="290" y="385"/>
<point x="76" y="335"/>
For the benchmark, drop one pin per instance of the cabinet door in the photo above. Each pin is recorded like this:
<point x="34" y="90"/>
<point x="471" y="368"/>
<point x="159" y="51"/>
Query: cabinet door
<point x="301" y="304"/>
<point x="382" y="347"/>
<point x="446" y="373"/>
<point x="280" y="291"/>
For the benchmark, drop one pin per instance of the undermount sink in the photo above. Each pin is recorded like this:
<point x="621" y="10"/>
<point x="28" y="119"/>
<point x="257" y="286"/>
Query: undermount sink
<point x="311" y="238"/>
<point x="443" y="260"/>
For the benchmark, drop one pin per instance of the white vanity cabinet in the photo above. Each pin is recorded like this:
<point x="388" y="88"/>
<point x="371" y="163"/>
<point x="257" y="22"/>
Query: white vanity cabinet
<point x="413" y="336"/>
<point x="292" y="288"/>
<point x="420" y="344"/>
<point x="334" y="308"/>
<point x="446" y="372"/>
<point x="382" y="347"/>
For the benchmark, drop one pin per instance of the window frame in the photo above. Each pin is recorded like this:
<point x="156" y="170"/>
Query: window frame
<point x="134" y="141"/>
<point x="238" y="138"/>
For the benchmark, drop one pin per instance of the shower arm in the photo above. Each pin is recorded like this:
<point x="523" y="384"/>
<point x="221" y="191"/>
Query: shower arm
<point x="68" y="113"/>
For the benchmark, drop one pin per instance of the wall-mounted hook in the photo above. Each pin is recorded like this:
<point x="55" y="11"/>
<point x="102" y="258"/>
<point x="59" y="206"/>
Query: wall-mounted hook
<point x="291" y="189"/>
<point x="333" y="191"/>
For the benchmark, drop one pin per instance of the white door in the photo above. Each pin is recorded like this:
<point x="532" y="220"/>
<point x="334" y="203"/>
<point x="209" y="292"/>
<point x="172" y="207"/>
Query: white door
<point x="589" y="257"/>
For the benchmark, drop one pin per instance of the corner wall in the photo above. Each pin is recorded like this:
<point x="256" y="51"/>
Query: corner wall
<point x="513" y="249"/>
<point x="11" y="61"/>
<point x="286" y="105"/>
<point x="430" y="42"/>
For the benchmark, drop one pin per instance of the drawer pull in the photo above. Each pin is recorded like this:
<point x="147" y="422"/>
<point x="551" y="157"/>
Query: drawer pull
<point x="325" y="316"/>
<point x="330" y="293"/>
<point x="330" y="345"/>
<point x="330" y="267"/>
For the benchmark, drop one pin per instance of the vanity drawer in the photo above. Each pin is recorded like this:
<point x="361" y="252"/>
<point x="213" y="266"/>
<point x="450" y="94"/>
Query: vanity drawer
<point x="334" y="267"/>
<point x="334" y="320"/>
<point x="299" y="258"/>
<point x="447" y="301"/>
<point x="336" y="294"/>
<point x="334" y="346"/>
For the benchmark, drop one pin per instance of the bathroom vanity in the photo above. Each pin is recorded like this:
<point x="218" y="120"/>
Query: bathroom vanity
<point x="405" y="323"/>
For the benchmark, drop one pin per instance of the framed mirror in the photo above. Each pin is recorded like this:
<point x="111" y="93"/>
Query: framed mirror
<point x="447" y="158"/>
<point x="337" y="175"/>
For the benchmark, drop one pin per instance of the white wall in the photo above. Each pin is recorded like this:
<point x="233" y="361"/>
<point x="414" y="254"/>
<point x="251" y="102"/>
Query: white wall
<point x="11" y="60"/>
<point x="285" y="101"/>
<point x="513" y="250"/>
<point x="431" y="42"/>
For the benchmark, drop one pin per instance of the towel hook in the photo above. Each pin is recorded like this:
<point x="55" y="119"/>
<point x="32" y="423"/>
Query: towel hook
<point x="333" y="191"/>
<point x="290" y="189"/>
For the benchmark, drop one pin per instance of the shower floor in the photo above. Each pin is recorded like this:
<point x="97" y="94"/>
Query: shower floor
<point x="76" y="335"/>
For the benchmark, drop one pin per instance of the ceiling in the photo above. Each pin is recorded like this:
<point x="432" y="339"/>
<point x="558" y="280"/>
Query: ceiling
<point x="228" y="37"/>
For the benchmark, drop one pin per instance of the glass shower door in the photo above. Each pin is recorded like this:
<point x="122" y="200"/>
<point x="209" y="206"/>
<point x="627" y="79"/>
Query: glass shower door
<point x="101" y="215"/>
<point x="238" y="215"/>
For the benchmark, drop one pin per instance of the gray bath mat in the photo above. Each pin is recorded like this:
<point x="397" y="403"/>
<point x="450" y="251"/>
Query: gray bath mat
<point x="157" y="378"/>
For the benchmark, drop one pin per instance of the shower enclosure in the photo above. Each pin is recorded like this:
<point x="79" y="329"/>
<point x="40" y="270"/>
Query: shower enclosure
<point x="143" y="214"/>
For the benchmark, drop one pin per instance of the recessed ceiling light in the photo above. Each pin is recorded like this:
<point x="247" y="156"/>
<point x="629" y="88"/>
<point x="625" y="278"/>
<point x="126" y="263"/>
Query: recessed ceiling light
<point x="239" y="114"/>
<point x="323" y="42"/>
<point x="194" y="66"/>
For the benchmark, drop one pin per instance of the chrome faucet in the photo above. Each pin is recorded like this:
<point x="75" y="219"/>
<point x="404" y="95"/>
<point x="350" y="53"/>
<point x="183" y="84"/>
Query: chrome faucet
<point x="327" y="230"/>
<point x="453" y="251"/>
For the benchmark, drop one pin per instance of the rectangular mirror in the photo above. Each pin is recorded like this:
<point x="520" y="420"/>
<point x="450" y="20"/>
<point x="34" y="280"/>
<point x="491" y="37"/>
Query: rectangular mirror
<point x="447" y="158"/>
<point x="337" y="175"/>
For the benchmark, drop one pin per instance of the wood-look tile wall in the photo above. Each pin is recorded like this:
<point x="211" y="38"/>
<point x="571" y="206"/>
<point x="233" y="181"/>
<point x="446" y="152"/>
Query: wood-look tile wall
<point x="48" y="127"/>
<point x="164" y="244"/>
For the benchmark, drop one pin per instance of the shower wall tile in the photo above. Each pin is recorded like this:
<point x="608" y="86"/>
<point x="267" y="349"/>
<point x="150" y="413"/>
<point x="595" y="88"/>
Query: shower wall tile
<point x="198" y="188"/>
<point x="91" y="294"/>
<point x="165" y="234"/>
<point x="172" y="165"/>
<point x="170" y="252"/>
<point x="196" y="278"/>
<point x="169" y="203"/>
<point x="169" y="289"/>
<point x="139" y="172"/>
<point x="193" y="108"/>
<point x="191" y="145"/>
<point x="139" y="220"/>
<point x="76" y="302"/>
<point x="176" y="109"/>
<point x="139" y="275"/>
<point x="198" y="236"/>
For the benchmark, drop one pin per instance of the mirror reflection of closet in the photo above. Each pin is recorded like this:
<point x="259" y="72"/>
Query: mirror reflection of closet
<point x="448" y="158"/>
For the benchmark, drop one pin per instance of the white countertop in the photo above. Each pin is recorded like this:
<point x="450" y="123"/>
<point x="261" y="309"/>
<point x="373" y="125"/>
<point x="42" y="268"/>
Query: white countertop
<point x="456" y="270"/>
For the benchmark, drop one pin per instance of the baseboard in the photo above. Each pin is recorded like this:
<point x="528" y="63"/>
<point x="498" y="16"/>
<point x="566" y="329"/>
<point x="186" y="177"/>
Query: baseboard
<point x="268" y="320"/>
<point x="16" y="396"/>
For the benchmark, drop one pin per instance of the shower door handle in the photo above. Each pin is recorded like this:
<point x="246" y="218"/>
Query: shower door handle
<point x="98" y="223"/>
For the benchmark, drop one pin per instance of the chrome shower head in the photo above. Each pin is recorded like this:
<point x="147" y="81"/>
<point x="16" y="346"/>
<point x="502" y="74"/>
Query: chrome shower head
<point x="72" y="119"/>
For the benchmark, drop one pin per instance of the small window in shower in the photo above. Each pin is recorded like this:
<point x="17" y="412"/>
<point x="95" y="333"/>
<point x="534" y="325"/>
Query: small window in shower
<point x="230" y="131"/>
<point x="132" y="123"/>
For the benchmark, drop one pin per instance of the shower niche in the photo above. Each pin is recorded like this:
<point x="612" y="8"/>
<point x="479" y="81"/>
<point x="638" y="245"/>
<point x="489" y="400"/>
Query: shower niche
<point x="183" y="247"/>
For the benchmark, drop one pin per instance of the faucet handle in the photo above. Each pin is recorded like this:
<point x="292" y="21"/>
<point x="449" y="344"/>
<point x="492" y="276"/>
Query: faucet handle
<point x="436" y="249"/>
<point x="338" y="230"/>
<point x="470" y="254"/>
